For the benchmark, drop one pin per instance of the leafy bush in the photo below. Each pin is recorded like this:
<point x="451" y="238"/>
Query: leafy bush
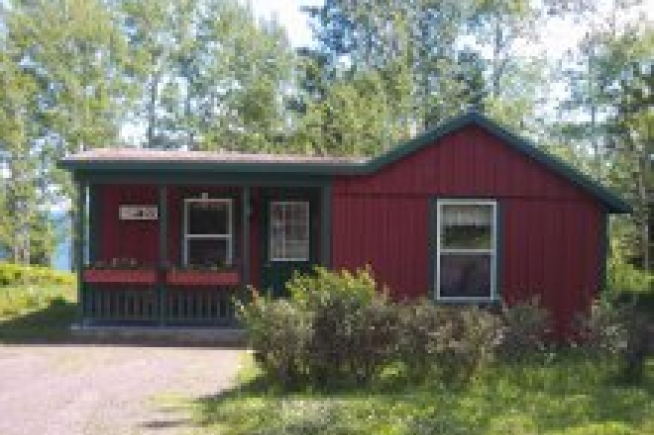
<point x="353" y="325"/>
<point x="622" y="277"/>
<point x="614" y="332"/>
<point x="16" y="274"/>
<point x="278" y="332"/>
<point x="335" y="328"/>
<point x="526" y="325"/>
<point x="421" y="326"/>
<point x="452" y="343"/>
<point x="602" y="331"/>
<point x="467" y="344"/>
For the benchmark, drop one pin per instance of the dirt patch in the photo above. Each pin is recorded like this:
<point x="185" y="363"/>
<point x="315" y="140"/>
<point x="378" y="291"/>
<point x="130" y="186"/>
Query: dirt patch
<point x="98" y="390"/>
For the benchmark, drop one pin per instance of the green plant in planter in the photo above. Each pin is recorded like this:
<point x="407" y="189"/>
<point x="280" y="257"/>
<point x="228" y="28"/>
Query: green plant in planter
<point x="125" y="263"/>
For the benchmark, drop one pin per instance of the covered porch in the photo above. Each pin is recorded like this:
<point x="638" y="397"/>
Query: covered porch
<point x="178" y="244"/>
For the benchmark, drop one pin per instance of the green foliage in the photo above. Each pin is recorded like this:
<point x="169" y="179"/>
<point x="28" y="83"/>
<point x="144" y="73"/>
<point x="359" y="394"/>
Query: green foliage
<point x="525" y="328"/>
<point x="278" y="332"/>
<point x="335" y="329"/>
<point x="567" y="396"/>
<point x="20" y="299"/>
<point x="452" y="344"/>
<point x="36" y="313"/>
<point x="338" y="330"/>
<point x="16" y="274"/>
<point x="624" y="278"/>
<point x="421" y="325"/>
<point x="614" y="332"/>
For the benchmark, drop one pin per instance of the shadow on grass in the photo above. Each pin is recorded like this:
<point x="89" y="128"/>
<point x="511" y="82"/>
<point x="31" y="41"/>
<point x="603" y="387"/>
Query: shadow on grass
<point x="562" y="398"/>
<point x="45" y="325"/>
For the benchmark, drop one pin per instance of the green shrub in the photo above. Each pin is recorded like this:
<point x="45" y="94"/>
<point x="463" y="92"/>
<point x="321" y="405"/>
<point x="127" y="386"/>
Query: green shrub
<point x="278" y="332"/>
<point x="525" y="326"/>
<point x="467" y="345"/>
<point x="622" y="277"/>
<point x="616" y="333"/>
<point x="451" y="343"/>
<point x="602" y="332"/>
<point x="422" y="325"/>
<point x="353" y="325"/>
<point x="16" y="274"/>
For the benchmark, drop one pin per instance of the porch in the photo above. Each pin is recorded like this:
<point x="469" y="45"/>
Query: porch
<point x="180" y="254"/>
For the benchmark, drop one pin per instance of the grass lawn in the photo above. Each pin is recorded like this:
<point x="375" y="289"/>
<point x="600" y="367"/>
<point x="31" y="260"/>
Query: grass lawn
<point x="34" y="313"/>
<point x="567" y="395"/>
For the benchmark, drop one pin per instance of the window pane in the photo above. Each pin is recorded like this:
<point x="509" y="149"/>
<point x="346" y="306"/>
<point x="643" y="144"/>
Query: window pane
<point x="289" y="231"/>
<point x="465" y="275"/>
<point x="207" y="252"/>
<point x="208" y="217"/>
<point x="466" y="226"/>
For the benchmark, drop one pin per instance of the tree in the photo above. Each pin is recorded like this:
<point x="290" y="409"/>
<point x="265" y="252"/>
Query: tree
<point x="24" y="236"/>
<point x="71" y="53"/>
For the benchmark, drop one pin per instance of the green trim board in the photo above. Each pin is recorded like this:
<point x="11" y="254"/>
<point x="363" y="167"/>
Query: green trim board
<point x="245" y="228"/>
<point x="253" y="172"/>
<point x="604" y="251"/>
<point x="80" y="224"/>
<point x="499" y="249"/>
<point x="162" y="289"/>
<point x="326" y="226"/>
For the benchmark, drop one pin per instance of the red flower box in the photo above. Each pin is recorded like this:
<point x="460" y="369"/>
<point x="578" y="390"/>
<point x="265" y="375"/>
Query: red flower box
<point x="203" y="277"/>
<point x="120" y="276"/>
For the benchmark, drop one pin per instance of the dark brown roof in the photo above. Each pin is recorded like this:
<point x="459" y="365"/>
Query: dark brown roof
<point x="148" y="155"/>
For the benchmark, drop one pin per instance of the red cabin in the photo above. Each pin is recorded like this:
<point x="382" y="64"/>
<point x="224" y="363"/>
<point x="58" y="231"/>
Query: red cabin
<point x="465" y="213"/>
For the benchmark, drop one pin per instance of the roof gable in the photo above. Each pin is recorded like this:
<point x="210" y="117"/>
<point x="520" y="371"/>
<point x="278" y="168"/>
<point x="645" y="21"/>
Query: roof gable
<point x="522" y="145"/>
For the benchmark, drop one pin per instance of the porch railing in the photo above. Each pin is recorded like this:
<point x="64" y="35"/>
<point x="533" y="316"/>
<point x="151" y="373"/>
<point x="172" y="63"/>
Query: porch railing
<point x="156" y="301"/>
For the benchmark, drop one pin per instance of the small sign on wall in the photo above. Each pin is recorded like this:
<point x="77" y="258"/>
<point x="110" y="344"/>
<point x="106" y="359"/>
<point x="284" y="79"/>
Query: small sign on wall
<point x="138" y="213"/>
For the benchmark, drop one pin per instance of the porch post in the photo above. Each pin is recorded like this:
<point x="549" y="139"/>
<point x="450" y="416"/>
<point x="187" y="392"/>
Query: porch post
<point x="245" y="227"/>
<point x="162" y="267"/>
<point x="326" y="225"/>
<point x="80" y="227"/>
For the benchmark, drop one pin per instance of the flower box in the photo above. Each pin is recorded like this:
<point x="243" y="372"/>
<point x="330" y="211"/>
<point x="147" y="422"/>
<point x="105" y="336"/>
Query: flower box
<point x="120" y="276"/>
<point x="203" y="277"/>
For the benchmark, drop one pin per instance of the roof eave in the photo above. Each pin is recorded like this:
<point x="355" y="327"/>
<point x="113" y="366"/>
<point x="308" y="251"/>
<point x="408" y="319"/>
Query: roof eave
<point x="108" y="166"/>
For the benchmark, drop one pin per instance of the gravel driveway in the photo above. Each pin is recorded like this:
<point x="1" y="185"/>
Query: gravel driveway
<point x="96" y="390"/>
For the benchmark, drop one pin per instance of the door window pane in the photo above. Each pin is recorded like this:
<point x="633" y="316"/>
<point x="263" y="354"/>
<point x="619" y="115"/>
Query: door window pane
<point x="289" y="231"/>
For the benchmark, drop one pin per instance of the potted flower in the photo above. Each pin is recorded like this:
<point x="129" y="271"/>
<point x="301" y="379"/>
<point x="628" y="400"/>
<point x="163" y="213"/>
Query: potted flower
<point x="119" y="271"/>
<point x="222" y="275"/>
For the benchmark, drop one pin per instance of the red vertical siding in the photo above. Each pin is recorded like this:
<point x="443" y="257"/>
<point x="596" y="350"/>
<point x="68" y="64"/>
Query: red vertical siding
<point x="388" y="234"/>
<point x="127" y="239"/>
<point x="551" y="228"/>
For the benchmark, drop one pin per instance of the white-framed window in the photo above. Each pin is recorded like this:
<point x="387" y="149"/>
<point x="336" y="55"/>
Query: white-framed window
<point x="466" y="255"/>
<point x="289" y="231"/>
<point x="208" y="232"/>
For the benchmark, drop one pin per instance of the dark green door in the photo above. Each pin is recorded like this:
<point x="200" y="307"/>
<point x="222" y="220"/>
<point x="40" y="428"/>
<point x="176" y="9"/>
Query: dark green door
<point x="288" y="238"/>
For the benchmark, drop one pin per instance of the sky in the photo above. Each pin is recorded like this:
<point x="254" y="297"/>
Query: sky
<point x="289" y="15"/>
<point x="557" y="36"/>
